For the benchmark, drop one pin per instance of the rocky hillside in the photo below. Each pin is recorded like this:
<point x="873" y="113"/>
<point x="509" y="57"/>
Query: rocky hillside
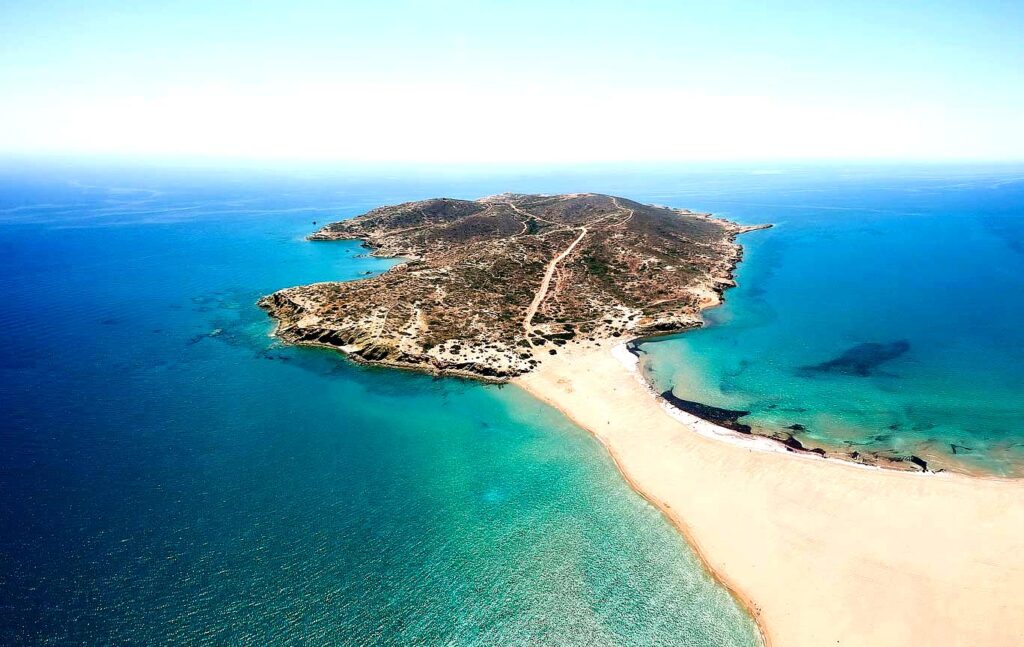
<point x="493" y="286"/>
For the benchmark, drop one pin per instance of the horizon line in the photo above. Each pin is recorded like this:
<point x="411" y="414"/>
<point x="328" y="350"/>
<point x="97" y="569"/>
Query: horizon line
<point x="289" y="162"/>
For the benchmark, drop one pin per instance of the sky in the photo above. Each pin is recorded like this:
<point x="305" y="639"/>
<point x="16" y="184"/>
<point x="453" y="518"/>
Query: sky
<point x="514" y="82"/>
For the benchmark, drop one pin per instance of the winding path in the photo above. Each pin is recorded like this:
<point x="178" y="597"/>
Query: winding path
<point x="627" y="218"/>
<point x="542" y="292"/>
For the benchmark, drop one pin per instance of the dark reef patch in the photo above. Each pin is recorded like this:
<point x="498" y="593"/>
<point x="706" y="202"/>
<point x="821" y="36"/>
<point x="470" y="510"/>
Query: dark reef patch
<point x="860" y="360"/>
<point x="742" y="366"/>
<point x="1009" y="231"/>
<point x="727" y="418"/>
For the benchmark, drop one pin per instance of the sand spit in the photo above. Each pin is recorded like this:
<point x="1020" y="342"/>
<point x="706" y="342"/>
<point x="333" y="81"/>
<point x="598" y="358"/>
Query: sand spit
<point x="822" y="552"/>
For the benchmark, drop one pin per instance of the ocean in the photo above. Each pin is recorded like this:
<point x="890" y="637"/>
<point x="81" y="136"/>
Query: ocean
<point x="171" y="474"/>
<point x="881" y="314"/>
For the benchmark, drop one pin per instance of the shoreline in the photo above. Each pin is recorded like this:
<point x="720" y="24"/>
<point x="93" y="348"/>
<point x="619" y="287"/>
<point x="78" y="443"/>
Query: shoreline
<point x="715" y="297"/>
<point x="721" y="578"/>
<point x="775" y="440"/>
<point x="819" y="549"/>
<point x="877" y="538"/>
<point x="761" y="441"/>
<point x="464" y="325"/>
<point x="384" y="364"/>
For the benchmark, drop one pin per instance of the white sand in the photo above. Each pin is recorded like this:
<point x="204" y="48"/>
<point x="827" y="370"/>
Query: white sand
<point x="821" y="552"/>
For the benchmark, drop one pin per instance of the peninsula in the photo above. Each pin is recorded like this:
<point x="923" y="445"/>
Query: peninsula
<point x="548" y="291"/>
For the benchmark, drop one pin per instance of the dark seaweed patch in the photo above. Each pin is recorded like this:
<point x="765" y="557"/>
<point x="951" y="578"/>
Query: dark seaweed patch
<point x="860" y="360"/>
<point x="727" y="418"/>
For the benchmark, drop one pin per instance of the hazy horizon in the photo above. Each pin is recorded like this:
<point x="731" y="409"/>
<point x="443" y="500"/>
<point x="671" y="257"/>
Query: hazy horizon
<point x="779" y="165"/>
<point x="489" y="83"/>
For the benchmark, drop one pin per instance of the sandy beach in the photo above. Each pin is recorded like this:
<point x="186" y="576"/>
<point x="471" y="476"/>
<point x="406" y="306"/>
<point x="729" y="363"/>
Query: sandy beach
<point x="820" y="551"/>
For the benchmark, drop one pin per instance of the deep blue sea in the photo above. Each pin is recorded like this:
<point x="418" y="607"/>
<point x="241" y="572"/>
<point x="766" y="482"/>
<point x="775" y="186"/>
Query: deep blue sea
<point x="169" y="474"/>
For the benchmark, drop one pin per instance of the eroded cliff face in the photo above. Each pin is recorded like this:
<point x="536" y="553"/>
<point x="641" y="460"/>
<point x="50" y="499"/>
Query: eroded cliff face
<point x="494" y="286"/>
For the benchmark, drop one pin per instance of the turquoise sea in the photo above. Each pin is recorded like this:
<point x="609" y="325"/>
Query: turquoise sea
<point x="169" y="474"/>
<point x="884" y="313"/>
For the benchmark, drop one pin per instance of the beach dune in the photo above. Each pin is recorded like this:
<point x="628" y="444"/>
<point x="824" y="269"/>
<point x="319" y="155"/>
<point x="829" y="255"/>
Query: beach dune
<point x="820" y="551"/>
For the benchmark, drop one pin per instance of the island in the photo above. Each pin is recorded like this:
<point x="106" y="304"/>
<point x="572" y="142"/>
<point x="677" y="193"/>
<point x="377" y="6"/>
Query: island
<point x="493" y="287"/>
<point x="550" y="293"/>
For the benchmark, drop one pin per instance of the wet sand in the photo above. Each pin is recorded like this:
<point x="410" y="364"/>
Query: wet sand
<point x="820" y="551"/>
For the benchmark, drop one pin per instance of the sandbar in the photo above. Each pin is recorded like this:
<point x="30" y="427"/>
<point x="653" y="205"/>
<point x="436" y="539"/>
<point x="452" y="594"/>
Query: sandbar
<point x="820" y="551"/>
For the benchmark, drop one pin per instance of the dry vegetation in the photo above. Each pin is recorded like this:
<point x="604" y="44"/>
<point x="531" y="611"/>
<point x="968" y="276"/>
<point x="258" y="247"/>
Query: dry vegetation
<point x="496" y="285"/>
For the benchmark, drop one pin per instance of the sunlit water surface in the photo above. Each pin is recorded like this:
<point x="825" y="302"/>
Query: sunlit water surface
<point x="883" y="313"/>
<point x="171" y="475"/>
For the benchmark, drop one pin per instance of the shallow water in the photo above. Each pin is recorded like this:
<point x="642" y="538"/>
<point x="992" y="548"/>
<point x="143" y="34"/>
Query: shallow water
<point x="883" y="313"/>
<point x="171" y="475"/>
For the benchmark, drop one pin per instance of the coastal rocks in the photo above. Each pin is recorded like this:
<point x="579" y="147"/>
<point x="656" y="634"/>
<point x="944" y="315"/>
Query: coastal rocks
<point x="669" y="326"/>
<point x="894" y="461"/>
<point x="791" y="443"/>
<point x="297" y="325"/>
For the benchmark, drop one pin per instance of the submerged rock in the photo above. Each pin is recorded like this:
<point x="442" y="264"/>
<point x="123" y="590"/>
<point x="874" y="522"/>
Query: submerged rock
<point x="859" y="360"/>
